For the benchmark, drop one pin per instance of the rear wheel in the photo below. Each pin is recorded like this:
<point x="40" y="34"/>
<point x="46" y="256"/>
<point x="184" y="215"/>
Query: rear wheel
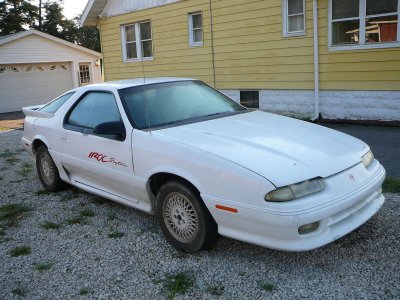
<point x="184" y="219"/>
<point x="47" y="170"/>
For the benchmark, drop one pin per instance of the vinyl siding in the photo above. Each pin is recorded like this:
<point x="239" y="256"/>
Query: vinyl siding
<point x="250" y="50"/>
<point x="366" y="69"/>
<point x="171" y="51"/>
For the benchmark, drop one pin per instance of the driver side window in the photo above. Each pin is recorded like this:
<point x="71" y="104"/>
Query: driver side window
<point x="93" y="109"/>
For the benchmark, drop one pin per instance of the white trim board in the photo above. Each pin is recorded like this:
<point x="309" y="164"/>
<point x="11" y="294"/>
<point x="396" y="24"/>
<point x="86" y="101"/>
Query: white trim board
<point x="353" y="105"/>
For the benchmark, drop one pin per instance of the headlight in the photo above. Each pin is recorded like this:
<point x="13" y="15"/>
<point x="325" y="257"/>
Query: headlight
<point x="296" y="190"/>
<point x="367" y="159"/>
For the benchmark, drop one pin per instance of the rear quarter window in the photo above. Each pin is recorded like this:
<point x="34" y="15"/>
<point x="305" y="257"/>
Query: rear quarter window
<point x="54" y="105"/>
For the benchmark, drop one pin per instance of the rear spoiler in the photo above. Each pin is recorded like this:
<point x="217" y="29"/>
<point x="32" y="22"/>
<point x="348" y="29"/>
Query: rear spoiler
<point x="32" y="111"/>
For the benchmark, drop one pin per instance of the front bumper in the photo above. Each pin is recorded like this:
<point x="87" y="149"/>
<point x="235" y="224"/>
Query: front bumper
<point x="342" y="208"/>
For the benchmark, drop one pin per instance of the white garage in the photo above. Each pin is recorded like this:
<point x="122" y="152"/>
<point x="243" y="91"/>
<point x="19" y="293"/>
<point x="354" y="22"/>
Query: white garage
<point x="36" y="67"/>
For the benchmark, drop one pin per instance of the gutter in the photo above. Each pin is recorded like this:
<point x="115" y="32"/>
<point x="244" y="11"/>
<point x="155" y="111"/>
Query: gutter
<point x="316" y="62"/>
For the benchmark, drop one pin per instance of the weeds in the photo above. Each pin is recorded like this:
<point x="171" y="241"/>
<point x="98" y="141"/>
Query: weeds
<point x="391" y="185"/>
<point x="20" y="251"/>
<point x="216" y="290"/>
<point x="25" y="170"/>
<point x="42" y="192"/>
<point x="116" y="235"/>
<point x="11" y="214"/>
<point x="43" y="267"/>
<point x="17" y="181"/>
<point x="19" y="292"/>
<point x="79" y="219"/>
<point x="112" y="217"/>
<point x="75" y="220"/>
<point x="2" y="235"/>
<point x="50" y="225"/>
<point x="12" y="160"/>
<point x="7" y="153"/>
<point x="178" y="283"/>
<point x="87" y="213"/>
<point x="83" y="292"/>
<point x="268" y="287"/>
<point x="99" y="200"/>
<point x="72" y="194"/>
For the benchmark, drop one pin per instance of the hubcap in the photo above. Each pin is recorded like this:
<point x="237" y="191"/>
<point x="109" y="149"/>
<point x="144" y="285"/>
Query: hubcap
<point x="180" y="217"/>
<point x="46" y="168"/>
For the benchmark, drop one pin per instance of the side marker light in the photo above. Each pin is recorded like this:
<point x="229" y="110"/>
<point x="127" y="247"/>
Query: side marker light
<point x="226" y="208"/>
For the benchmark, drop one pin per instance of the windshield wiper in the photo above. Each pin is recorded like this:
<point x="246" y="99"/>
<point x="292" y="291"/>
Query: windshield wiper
<point x="217" y="114"/>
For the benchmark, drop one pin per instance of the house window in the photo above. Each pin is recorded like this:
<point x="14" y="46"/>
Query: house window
<point x="294" y="17"/>
<point x="364" y="23"/>
<point x="196" y="29"/>
<point x="84" y="74"/>
<point x="137" y="41"/>
<point x="250" y="99"/>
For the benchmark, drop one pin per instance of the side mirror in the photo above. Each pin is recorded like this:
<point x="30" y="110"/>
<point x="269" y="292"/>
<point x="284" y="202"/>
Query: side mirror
<point x="111" y="128"/>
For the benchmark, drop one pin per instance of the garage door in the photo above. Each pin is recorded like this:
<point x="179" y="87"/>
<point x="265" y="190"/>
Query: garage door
<point x="25" y="85"/>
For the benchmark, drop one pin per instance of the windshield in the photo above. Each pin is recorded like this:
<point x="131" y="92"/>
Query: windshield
<point x="172" y="103"/>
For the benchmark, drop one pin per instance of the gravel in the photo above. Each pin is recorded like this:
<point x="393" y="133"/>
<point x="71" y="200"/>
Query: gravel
<point x="85" y="262"/>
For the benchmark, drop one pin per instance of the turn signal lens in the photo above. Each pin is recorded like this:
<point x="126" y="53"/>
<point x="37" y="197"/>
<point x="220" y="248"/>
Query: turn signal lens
<point x="308" y="228"/>
<point x="367" y="158"/>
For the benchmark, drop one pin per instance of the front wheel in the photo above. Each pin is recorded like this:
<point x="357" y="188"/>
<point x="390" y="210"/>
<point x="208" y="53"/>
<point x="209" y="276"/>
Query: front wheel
<point x="47" y="170"/>
<point x="184" y="219"/>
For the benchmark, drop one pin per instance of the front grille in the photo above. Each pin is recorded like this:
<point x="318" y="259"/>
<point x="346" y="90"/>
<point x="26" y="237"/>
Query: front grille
<point x="357" y="209"/>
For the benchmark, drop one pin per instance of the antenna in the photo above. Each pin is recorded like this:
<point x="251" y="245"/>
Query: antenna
<point x="148" y="110"/>
<point x="148" y="106"/>
<point x="144" y="73"/>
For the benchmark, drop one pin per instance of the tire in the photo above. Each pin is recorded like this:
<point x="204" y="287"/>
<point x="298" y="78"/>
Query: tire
<point x="47" y="170"/>
<point x="185" y="221"/>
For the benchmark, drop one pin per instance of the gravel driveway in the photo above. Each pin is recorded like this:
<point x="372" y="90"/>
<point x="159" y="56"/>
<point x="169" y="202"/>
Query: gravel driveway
<point x="75" y="245"/>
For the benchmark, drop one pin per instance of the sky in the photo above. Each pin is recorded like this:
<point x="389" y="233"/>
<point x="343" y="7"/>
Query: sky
<point x="72" y="8"/>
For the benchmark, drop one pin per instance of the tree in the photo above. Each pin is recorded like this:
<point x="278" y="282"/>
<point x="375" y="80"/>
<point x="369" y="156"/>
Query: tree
<point x="56" y="24"/>
<point x="53" y="20"/>
<point x="87" y="36"/>
<point x="17" y="14"/>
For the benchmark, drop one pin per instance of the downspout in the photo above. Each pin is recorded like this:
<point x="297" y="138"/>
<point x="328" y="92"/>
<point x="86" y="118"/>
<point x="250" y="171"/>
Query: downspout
<point x="212" y="45"/>
<point x="103" y="74"/>
<point x="316" y="63"/>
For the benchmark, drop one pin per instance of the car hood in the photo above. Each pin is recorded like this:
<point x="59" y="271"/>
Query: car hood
<point x="280" y="149"/>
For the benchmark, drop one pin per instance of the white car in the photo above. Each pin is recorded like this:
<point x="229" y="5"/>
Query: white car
<point x="205" y="165"/>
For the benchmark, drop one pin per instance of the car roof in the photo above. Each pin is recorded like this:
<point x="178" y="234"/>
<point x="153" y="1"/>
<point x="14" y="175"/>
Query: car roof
<point x="127" y="83"/>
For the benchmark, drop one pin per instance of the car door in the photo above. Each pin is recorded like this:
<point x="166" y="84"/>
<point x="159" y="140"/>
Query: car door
<point x="94" y="161"/>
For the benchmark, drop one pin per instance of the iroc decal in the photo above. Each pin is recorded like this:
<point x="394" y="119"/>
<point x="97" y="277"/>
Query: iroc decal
<point x="106" y="159"/>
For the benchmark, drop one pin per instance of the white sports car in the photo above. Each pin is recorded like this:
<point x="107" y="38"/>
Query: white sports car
<point x="204" y="164"/>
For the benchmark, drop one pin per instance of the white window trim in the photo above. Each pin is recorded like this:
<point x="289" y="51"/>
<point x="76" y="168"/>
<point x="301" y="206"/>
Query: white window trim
<point x="285" y="20"/>
<point x="361" y="17"/>
<point x="191" y="29"/>
<point x="90" y="73"/>
<point x="138" y="43"/>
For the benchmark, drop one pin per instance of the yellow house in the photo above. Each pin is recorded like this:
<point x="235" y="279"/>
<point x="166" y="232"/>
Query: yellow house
<point x="338" y="59"/>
